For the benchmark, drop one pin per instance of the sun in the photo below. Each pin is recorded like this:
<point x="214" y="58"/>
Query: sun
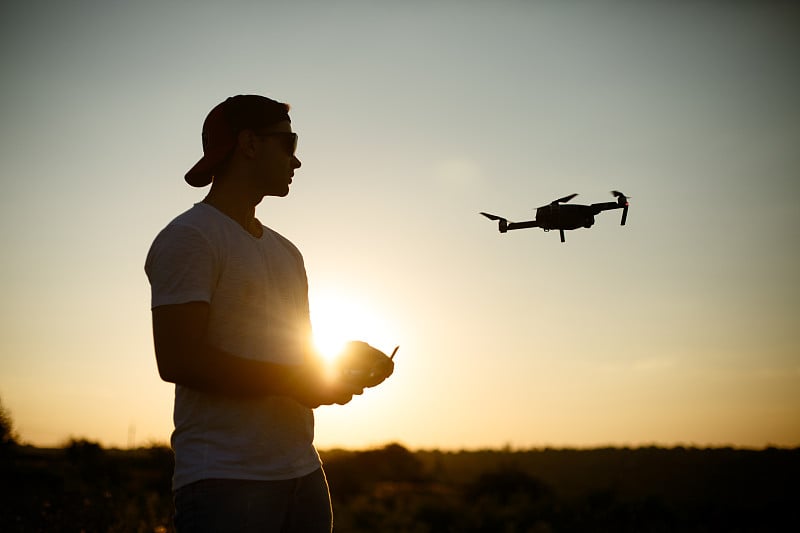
<point x="337" y="319"/>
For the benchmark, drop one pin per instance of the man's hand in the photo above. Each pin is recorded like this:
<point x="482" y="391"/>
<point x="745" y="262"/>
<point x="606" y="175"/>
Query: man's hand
<point x="363" y="365"/>
<point x="313" y="386"/>
<point x="358" y="367"/>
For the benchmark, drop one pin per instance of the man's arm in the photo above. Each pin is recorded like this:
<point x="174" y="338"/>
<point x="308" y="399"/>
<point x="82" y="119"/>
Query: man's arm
<point x="185" y="358"/>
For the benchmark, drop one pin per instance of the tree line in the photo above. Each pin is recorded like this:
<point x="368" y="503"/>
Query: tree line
<point x="82" y="486"/>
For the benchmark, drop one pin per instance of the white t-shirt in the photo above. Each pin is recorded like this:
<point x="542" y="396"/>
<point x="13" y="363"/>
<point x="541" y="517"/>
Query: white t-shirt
<point x="258" y="295"/>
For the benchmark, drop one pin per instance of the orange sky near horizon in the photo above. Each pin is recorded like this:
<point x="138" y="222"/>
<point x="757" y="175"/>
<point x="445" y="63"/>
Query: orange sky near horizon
<point x="678" y="328"/>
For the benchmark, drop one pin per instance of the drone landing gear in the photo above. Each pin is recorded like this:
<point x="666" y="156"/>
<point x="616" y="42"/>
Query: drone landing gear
<point x="561" y="232"/>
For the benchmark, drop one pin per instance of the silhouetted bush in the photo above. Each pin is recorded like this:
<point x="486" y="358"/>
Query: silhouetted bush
<point x="83" y="487"/>
<point x="350" y="473"/>
<point x="507" y="499"/>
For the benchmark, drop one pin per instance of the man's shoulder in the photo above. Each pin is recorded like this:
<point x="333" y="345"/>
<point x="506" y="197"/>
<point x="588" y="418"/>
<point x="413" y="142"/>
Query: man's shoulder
<point x="201" y="219"/>
<point x="197" y="215"/>
<point x="195" y="227"/>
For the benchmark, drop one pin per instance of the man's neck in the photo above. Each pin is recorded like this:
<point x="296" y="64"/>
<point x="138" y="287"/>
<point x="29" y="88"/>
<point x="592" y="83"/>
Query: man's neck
<point x="243" y="213"/>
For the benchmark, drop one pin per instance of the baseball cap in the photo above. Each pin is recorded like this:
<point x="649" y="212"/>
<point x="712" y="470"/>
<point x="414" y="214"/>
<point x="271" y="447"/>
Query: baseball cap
<point x="222" y="126"/>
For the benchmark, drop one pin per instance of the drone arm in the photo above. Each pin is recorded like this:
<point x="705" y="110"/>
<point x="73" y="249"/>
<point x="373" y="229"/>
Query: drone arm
<point x="604" y="206"/>
<point x="504" y="225"/>
<point x="523" y="225"/>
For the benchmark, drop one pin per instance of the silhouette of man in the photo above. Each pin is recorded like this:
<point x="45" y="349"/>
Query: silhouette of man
<point x="231" y="329"/>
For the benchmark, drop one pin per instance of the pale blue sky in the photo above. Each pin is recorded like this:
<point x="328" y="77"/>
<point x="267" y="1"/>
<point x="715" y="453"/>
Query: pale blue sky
<point x="681" y="327"/>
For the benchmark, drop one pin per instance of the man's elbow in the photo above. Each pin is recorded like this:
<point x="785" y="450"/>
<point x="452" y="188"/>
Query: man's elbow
<point x="167" y="375"/>
<point x="167" y="370"/>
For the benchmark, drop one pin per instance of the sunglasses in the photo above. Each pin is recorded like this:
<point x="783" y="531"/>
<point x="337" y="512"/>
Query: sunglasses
<point x="288" y="138"/>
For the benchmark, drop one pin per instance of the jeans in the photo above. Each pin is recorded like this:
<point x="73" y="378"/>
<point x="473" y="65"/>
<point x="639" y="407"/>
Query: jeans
<point x="237" y="505"/>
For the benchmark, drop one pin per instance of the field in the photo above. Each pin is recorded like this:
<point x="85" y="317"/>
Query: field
<point x="83" y="487"/>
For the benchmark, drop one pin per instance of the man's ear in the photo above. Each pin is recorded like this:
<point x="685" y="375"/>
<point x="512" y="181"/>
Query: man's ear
<point x="246" y="143"/>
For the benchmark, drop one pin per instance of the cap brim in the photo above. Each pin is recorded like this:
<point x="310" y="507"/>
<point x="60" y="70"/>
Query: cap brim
<point x="201" y="173"/>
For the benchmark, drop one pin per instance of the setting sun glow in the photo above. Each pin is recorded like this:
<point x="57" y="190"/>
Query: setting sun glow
<point x="337" y="319"/>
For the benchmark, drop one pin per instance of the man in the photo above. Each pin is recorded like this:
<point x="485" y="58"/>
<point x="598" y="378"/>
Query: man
<point x="231" y="329"/>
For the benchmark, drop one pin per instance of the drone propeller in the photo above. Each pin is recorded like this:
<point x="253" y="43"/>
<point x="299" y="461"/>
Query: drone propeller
<point x="502" y="223"/>
<point x="621" y="198"/>
<point x="491" y="216"/>
<point x="564" y="199"/>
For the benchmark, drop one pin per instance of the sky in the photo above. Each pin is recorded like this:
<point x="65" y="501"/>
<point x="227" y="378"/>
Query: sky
<point x="680" y="328"/>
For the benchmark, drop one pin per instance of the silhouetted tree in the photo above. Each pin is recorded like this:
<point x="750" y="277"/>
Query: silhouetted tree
<point x="7" y="436"/>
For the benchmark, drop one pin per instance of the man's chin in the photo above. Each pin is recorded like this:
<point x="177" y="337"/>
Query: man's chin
<point x="277" y="188"/>
<point x="278" y="193"/>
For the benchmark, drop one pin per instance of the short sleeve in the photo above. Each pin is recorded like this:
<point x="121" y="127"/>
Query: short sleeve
<point x="181" y="267"/>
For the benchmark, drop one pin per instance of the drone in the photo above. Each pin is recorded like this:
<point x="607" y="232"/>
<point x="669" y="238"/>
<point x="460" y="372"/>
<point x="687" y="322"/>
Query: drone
<point x="562" y="216"/>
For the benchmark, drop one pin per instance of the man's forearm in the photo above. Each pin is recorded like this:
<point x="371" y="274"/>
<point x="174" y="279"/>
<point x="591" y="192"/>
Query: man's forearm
<point x="186" y="358"/>
<point x="212" y="370"/>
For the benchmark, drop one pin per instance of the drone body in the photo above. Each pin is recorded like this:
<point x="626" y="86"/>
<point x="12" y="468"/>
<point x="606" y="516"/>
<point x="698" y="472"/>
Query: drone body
<point x="562" y="216"/>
